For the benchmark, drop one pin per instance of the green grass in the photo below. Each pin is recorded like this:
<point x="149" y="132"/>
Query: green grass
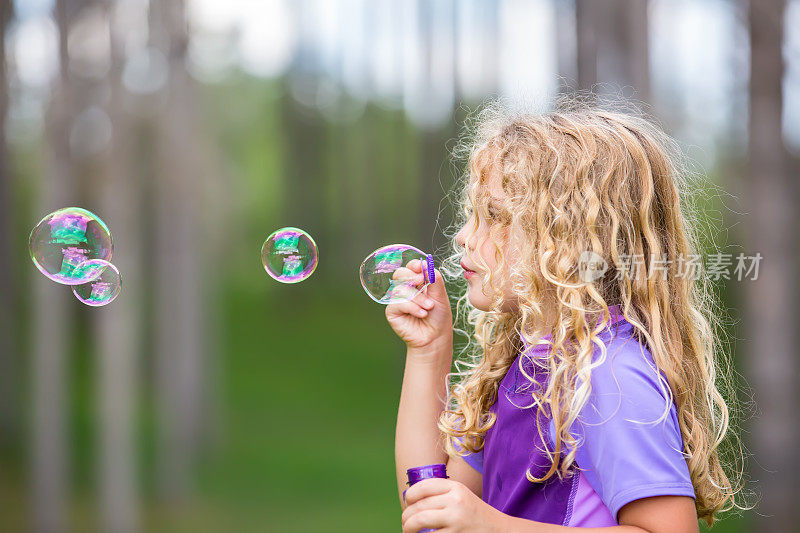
<point x="310" y="380"/>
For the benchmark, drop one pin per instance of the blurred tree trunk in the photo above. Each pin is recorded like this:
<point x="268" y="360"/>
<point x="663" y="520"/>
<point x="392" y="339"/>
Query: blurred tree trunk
<point x="612" y="45"/>
<point x="358" y="209"/>
<point x="448" y="173"/>
<point x="178" y="211"/>
<point x="566" y="45"/>
<point x="771" y="300"/>
<point x="118" y="327"/>
<point x="337" y="194"/>
<point x="490" y="11"/>
<point x="361" y="229"/>
<point x="586" y="40"/>
<point x="430" y="160"/>
<point x="434" y="172"/>
<point x="341" y="190"/>
<point x="304" y="129"/>
<point x="52" y="322"/>
<point x="624" y="56"/>
<point x="9" y="421"/>
<point x="401" y="152"/>
<point x="304" y="176"/>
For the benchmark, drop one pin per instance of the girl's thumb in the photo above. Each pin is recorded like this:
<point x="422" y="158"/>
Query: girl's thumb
<point x="436" y="289"/>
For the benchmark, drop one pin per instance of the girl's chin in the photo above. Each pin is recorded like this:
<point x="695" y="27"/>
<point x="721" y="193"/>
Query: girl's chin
<point x="478" y="301"/>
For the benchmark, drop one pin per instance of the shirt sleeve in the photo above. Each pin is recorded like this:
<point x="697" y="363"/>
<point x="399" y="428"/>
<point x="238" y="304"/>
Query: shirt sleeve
<point x="475" y="460"/>
<point x="626" y="453"/>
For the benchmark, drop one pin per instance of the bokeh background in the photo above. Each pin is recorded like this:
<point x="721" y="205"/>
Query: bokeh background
<point x="208" y="397"/>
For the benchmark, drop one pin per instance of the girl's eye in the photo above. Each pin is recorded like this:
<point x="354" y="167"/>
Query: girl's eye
<point x="495" y="214"/>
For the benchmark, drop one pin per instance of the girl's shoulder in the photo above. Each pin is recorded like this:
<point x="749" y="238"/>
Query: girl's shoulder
<point x="628" y="439"/>
<point x="623" y="350"/>
<point x="623" y="355"/>
<point x="627" y="389"/>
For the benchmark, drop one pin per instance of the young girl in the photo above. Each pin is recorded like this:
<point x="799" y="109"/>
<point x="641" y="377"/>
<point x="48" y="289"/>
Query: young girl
<point x="591" y="397"/>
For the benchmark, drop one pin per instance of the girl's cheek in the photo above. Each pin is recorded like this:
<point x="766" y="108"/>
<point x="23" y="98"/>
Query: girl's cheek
<point x="486" y="249"/>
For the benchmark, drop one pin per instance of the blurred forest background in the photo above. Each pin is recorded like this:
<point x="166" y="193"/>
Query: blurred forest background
<point x="208" y="397"/>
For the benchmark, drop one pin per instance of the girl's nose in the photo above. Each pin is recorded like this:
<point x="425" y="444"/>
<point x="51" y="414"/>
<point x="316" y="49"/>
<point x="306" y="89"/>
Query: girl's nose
<point x="460" y="239"/>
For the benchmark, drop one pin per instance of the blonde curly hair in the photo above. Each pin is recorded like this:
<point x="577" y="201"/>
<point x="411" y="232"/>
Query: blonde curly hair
<point x="587" y="178"/>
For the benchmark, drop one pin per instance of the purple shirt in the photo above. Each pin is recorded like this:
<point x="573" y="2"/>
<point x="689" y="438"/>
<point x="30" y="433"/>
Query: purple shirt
<point x="621" y="456"/>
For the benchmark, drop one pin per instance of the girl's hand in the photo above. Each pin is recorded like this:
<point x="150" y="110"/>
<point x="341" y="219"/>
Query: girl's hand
<point x="426" y="321"/>
<point x="444" y="503"/>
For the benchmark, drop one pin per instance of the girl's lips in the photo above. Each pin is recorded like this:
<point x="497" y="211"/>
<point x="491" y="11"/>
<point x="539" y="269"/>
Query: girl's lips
<point x="467" y="272"/>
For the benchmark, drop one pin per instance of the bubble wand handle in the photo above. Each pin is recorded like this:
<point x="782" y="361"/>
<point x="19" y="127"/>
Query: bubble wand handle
<point x="430" y="273"/>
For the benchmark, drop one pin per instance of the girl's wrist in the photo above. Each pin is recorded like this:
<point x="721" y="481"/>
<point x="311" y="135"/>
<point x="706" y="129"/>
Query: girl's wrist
<point x="434" y="353"/>
<point x="504" y="523"/>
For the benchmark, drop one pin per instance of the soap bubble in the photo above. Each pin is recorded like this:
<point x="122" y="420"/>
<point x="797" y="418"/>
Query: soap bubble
<point x="101" y="290"/>
<point x="66" y="238"/>
<point x="386" y="279"/>
<point x="289" y="255"/>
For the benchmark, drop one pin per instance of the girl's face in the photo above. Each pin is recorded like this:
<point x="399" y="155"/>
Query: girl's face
<point x="475" y="237"/>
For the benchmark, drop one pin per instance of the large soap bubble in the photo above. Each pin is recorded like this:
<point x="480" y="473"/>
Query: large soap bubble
<point x="386" y="277"/>
<point x="289" y="255"/>
<point x="66" y="238"/>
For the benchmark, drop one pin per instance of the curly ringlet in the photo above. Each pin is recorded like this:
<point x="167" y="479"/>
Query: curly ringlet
<point x="591" y="176"/>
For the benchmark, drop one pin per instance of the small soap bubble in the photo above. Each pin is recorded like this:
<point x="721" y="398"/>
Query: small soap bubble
<point x="67" y="238"/>
<point x="289" y="255"/>
<point x="386" y="278"/>
<point x="101" y="290"/>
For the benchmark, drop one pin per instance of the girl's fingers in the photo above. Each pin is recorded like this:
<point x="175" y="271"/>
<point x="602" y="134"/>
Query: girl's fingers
<point x="408" y="275"/>
<point x="429" y="518"/>
<point x="403" y="273"/>
<point x="424" y="301"/>
<point x="415" y="265"/>
<point x="427" y="488"/>
<point x="406" y="308"/>
<point x="434" y="502"/>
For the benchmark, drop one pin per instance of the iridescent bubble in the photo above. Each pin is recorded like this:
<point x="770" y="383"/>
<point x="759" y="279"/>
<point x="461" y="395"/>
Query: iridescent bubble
<point x="289" y="255"/>
<point x="386" y="278"/>
<point x="104" y="288"/>
<point x="66" y="238"/>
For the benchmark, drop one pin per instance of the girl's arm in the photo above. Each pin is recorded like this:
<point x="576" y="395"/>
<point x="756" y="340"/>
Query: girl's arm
<point x="461" y="471"/>
<point x="657" y="514"/>
<point x="417" y="438"/>
<point x="426" y="326"/>
<point x="444" y="503"/>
